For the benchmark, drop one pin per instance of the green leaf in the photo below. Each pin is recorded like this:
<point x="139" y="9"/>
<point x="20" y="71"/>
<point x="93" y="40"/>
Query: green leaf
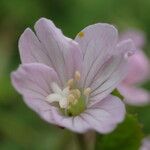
<point x="127" y="136"/>
<point x="143" y="115"/>
<point x="115" y="92"/>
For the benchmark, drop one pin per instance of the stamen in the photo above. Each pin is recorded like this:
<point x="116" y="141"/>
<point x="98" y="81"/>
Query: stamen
<point x="70" y="82"/>
<point x="77" y="76"/>
<point x="71" y="98"/>
<point x="87" y="91"/>
<point x="78" y="93"/>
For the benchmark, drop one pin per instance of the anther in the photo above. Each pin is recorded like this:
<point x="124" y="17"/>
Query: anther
<point x="78" y="93"/>
<point x="87" y="91"/>
<point x="77" y="75"/>
<point x="71" y="98"/>
<point x="70" y="82"/>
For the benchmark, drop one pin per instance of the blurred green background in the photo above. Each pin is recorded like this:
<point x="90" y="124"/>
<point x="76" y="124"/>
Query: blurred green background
<point x="20" y="127"/>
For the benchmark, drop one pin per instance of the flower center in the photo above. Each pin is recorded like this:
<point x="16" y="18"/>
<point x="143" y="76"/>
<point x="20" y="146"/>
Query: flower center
<point x="71" y="100"/>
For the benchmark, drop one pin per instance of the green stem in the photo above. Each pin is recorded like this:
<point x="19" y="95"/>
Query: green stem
<point x="81" y="142"/>
<point x="86" y="141"/>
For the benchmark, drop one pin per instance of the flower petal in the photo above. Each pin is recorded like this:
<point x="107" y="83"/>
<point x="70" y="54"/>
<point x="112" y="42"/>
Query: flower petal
<point x="97" y="43"/>
<point x="102" y="117"/>
<point x="137" y="36"/>
<point x="112" y="72"/>
<point x="134" y="96"/>
<point x="31" y="50"/>
<point x="51" y="48"/>
<point x="64" y="54"/>
<point x="33" y="82"/>
<point x="106" y="114"/>
<point x="139" y="68"/>
<point x="76" y="124"/>
<point x="145" y="143"/>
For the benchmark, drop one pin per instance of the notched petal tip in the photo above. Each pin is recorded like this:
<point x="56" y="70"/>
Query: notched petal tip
<point x="41" y="21"/>
<point x="27" y="32"/>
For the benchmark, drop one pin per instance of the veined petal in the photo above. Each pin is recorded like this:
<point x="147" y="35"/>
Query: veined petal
<point x="31" y="50"/>
<point x="52" y="48"/>
<point x="97" y="43"/>
<point x="134" y="96"/>
<point x="33" y="82"/>
<point x="139" y="69"/>
<point x="64" y="54"/>
<point x="42" y="108"/>
<point x="112" y="72"/>
<point x="76" y="124"/>
<point x="102" y="117"/>
<point x="106" y="114"/>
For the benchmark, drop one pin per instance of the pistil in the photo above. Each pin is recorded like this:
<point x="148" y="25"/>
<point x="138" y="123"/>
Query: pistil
<point x="70" y="99"/>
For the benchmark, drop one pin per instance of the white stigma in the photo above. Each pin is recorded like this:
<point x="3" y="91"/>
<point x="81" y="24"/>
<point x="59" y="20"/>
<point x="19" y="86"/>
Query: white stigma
<point x="66" y="97"/>
<point x="58" y="95"/>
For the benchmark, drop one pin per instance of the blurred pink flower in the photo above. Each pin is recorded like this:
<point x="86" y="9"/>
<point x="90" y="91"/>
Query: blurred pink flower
<point x="139" y="71"/>
<point x="145" y="144"/>
<point x="68" y="82"/>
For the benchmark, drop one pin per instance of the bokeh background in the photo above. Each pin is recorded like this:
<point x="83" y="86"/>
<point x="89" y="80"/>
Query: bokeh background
<point x="20" y="127"/>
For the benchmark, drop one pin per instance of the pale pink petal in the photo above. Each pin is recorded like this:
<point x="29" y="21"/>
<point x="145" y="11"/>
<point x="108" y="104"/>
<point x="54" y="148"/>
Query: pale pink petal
<point x="112" y="72"/>
<point x="64" y="54"/>
<point x="102" y="117"/>
<point x="137" y="36"/>
<point x="52" y="48"/>
<point x="145" y="144"/>
<point x="110" y="112"/>
<point x="97" y="43"/>
<point x="134" y="95"/>
<point x="139" y="68"/>
<point x="31" y="50"/>
<point x="76" y="123"/>
<point x="33" y="82"/>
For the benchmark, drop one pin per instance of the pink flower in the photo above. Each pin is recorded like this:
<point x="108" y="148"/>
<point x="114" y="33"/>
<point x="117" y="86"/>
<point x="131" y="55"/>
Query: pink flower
<point x="145" y="144"/>
<point x="139" y="71"/>
<point x="68" y="82"/>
